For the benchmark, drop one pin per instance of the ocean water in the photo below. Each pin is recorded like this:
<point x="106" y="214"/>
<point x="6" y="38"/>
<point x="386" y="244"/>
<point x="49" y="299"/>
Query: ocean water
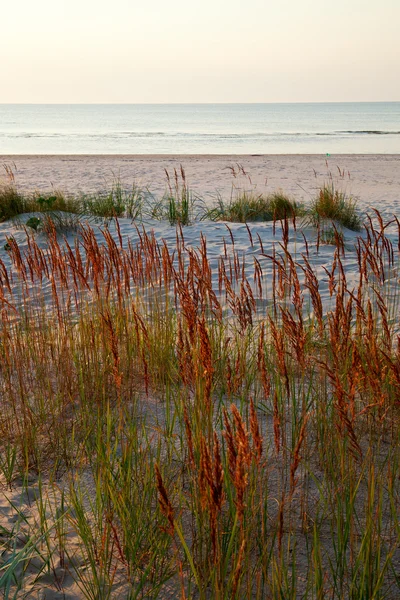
<point x="323" y="128"/>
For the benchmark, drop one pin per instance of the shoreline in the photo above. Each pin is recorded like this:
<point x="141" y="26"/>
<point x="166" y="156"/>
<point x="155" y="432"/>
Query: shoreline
<point x="225" y="155"/>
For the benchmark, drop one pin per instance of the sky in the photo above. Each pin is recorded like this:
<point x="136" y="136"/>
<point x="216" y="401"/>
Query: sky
<point x="167" y="51"/>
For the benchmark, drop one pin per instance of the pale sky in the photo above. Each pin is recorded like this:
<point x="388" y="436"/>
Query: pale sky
<point x="134" y="51"/>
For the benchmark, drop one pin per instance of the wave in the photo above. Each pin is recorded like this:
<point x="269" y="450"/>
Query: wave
<point x="194" y="135"/>
<point x="370" y="132"/>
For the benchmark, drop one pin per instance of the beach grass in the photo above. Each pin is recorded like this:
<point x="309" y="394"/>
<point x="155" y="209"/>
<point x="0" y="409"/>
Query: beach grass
<point x="178" y="204"/>
<point x="166" y="436"/>
<point x="14" y="203"/>
<point x="335" y="205"/>
<point x="249" y="206"/>
<point x="117" y="202"/>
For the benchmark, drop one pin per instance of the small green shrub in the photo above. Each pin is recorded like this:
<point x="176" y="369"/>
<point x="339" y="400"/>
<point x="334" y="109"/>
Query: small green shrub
<point x="34" y="223"/>
<point x="337" y="206"/>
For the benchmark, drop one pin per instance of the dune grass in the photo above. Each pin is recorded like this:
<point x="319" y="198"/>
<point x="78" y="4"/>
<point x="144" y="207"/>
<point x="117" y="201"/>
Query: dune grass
<point x="176" y="206"/>
<point x="246" y="207"/>
<point x="14" y="203"/>
<point x="117" y="202"/>
<point x="11" y="203"/>
<point x="335" y="205"/>
<point x="178" y="203"/>
<point x="165" y="436"/>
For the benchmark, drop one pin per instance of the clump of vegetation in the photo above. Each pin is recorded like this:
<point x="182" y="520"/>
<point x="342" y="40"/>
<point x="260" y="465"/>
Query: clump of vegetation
<point x="58" y="222"/>
<point x="336" y="206"/>
<point x="118" y="202"/>
<point x="54" y="214"/>
<point x="14" y="203"/>
<point x="50" y="201"/>
<point x="177" y="204"/>
<point x="249" y="206"/>
<point x="34" y="223"/>
<point x="11" y="202"/>
<point x="51" y="223"/>
<point x="283" y="207"/>
<point x="55" y="201"/>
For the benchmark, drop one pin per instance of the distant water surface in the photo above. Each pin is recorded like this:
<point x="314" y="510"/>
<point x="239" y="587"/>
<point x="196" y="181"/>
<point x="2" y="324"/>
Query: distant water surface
<point x="337" y="128"/>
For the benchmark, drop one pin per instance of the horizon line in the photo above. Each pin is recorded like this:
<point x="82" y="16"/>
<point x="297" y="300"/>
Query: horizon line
<point x="196" y="103"/>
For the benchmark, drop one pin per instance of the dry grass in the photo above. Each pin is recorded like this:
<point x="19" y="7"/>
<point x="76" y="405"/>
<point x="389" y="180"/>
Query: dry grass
<point x="160" y="434"/>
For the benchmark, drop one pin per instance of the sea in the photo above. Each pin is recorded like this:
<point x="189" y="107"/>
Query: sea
<point x="306" y="128"/>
